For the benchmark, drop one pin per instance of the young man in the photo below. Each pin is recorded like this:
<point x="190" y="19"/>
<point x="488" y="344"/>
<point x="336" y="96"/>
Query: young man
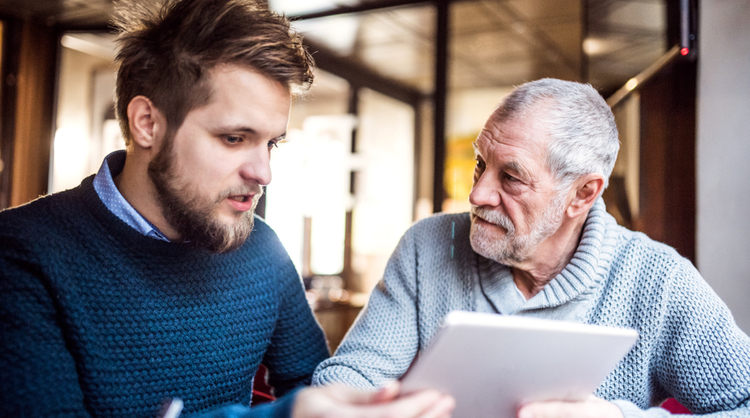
<point x="153" y="280"/>
<point x="539" y="242"/>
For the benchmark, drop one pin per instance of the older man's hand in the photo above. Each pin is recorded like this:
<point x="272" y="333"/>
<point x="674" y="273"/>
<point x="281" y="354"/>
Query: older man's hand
<point x="592" y="407"/>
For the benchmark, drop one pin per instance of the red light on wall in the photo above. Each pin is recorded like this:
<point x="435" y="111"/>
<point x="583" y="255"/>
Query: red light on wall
<point x="684" y="51"/>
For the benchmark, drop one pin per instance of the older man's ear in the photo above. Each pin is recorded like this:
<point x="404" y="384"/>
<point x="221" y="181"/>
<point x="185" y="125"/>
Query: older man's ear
<point x="587" y="189"/>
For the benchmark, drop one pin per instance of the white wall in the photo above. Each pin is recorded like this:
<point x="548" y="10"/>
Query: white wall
<point x="723" y="153"/>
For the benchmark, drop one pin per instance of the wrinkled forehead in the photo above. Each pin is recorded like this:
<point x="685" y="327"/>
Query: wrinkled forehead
<point x="539" y="108"/>
<point x="530" y="129"/>
<point x="519" y="143"/>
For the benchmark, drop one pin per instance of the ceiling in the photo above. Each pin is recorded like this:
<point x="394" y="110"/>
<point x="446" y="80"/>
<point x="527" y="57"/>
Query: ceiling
<point x="496" y="43"/>
<point x="491" y="43"/>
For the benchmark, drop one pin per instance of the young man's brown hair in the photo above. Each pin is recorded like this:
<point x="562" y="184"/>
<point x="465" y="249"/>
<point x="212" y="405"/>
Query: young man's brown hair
<point x="166" y="54"/>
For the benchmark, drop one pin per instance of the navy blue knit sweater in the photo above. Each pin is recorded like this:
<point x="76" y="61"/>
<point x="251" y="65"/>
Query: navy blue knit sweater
<point x="99" y="320"/>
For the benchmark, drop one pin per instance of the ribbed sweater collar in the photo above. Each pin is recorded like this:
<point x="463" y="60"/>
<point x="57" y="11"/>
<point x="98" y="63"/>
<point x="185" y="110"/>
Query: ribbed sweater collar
<point x="589" y="265"/>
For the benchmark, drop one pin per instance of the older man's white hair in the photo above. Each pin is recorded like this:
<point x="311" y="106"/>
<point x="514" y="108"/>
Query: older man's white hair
<point x="583" y="133"/>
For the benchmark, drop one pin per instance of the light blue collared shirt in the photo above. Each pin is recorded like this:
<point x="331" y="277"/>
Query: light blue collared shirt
<point x="105" y="187"/>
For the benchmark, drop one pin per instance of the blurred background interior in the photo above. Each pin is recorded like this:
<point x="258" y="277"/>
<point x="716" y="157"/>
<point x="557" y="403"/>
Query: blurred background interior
<point x="402" y="89"/>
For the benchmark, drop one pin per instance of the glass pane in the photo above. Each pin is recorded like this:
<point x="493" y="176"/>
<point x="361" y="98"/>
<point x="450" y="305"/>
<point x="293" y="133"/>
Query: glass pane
<point x="622" y="195"/>
<point x="495" y="45"/>
<point x="624" y="37"/>
<point x="384" y="204"/>
<point x="397" y="43"/>
<point x="504" y="43"/>
<point x="311" y="181"/>
<point x="86" y="127"/>
<point x="310" y="178"/>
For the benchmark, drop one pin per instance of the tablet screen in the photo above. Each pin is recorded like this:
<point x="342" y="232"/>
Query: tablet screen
<point x="494" y="363"/>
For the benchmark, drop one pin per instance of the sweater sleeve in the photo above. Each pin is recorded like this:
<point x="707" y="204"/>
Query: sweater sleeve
<point x="630" y="410"/>
<point x="384" y="339"/>
<point x="704" y="359"/>
<point x="281" y="408"/>
<point x="298" y="343"/>
<point x="39" y="376"/>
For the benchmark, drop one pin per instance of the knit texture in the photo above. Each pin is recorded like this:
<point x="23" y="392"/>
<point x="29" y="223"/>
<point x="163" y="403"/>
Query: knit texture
<point x="689" y="346"/>
<point x="99" y="320"/>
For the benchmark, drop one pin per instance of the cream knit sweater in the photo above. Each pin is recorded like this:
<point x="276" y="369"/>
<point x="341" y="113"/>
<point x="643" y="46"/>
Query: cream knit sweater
<point x="689" y="346"/>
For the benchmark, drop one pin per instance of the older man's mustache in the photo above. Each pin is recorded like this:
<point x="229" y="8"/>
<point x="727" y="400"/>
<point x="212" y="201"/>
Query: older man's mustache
<point x="494" y="217"/>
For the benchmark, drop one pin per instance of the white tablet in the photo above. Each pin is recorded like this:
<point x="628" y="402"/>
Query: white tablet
<point x="493" y="363"/>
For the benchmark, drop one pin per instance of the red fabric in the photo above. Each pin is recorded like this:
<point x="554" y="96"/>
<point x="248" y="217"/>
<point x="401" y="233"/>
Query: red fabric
<point x="675" y="407"/>
<point x="262" y="392"/>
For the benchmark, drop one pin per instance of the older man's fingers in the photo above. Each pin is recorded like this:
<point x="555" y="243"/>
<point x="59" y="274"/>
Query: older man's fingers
<point x="387" y="393"/>
<point x="423" y="404"/>
<point x="442" y="409"/>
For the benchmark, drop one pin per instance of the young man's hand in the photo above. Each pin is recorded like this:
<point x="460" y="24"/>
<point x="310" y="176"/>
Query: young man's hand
<point x="344" y="402"/>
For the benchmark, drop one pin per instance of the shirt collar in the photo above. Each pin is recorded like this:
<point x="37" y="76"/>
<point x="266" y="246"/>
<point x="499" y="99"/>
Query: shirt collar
<point x="107" y="191"/>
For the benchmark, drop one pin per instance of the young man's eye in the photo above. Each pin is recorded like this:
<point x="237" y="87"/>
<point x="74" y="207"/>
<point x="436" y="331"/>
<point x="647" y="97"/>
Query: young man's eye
<point x="273" y="143"/>
<point x="233" y="139"/>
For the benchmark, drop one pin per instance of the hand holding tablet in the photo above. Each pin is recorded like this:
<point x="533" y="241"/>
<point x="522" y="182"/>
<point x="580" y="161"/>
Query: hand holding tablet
<point x="492" y="364"/>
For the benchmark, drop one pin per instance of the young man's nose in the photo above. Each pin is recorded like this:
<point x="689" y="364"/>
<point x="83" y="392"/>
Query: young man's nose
<point x="257" y="165"/>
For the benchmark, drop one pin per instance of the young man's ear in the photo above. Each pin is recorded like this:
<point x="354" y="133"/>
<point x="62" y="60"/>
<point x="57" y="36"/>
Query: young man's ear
<point x="147" y="124"/>
<point x="587" y="189"/>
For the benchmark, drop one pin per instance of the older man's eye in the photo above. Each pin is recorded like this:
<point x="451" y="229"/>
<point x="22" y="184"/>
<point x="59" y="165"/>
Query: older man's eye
<point x="510" y="178"/>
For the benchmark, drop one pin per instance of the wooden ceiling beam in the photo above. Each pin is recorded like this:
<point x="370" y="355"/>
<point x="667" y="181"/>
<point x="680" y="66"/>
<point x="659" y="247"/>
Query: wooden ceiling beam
<point x="360" y="75"/>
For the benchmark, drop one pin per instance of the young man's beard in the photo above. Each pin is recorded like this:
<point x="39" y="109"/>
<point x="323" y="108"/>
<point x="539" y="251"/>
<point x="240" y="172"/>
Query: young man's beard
<point x="512" y="249"/>
<point x="193" y="216"/>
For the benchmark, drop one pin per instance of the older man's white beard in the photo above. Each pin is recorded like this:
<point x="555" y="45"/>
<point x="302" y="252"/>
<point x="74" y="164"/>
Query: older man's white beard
<point x="512" y="249"/>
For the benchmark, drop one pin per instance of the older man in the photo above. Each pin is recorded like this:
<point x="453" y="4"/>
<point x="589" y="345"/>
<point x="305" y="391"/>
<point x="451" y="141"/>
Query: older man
<point x="539" y="242"/>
